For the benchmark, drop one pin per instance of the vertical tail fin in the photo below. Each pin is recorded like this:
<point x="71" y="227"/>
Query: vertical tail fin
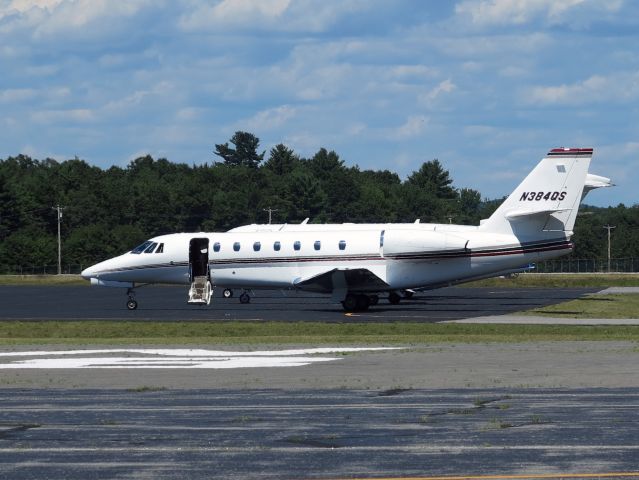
<point x="547" y="200"/>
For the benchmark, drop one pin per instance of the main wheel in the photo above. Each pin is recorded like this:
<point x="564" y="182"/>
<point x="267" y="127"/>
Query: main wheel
<point x="363" y="302"/>
<point x="394" y="298"/>
<point x="350" y="303"/>
<point x="245" y="298"/>
<point x="374" y="299"/>
<point x="131" y="304"/>
<point x="227" y="293"/>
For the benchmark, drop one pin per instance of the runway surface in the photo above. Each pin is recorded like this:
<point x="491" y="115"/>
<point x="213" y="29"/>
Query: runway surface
<point x="542" y="410"/>
<point x="169" y="303"/>
<point x="317" y="434"/>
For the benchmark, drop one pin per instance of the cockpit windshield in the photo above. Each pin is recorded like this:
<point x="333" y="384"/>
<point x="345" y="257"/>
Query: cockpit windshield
<point x="141" y="248"/>
<point x="151" y="248"/>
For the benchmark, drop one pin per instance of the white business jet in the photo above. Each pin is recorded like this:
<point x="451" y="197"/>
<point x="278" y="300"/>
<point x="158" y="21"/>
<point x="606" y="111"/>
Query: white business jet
<point x="355" y="263"/>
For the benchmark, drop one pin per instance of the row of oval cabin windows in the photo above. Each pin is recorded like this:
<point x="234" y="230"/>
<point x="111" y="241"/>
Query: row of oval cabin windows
<point x="277" y="246"/>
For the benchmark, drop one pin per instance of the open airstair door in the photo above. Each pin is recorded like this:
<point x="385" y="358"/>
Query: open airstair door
<point x="200" y="291"/>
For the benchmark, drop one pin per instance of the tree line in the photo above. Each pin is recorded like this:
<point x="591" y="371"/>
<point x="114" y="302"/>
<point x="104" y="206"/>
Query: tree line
<point x="106" y="212"/>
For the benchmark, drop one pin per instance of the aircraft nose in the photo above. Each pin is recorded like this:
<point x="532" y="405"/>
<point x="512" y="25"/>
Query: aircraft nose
<point x="88" y="273"/>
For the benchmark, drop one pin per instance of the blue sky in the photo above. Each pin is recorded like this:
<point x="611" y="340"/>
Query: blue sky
<point x="485" y="86"/>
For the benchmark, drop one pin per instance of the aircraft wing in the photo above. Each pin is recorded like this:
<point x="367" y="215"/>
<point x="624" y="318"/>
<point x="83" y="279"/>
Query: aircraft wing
<point x="338" y="279"/>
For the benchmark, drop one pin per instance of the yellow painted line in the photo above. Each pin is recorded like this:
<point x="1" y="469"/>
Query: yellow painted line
<point x="512" y="477"/>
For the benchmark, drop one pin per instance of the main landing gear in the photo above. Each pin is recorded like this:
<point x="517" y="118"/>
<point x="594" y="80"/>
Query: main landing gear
<point x="359" y="302"/>
<point x="394" y="298"/>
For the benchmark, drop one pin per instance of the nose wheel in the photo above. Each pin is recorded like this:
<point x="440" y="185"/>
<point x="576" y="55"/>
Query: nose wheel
<point x="131" y="304"/>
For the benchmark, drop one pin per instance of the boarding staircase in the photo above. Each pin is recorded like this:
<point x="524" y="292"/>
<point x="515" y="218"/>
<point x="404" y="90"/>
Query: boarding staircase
<point x="200" y="291"/>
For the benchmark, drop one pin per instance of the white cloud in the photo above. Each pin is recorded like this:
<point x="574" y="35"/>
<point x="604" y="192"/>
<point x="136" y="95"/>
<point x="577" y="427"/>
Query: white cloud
<point x="518" y="12"/>
<point x="413" y="127"/>
<point x="617" y="87"/>
<point x="17" y="95"/>
<point x="269" y="119"/>
<point x="27" y="7"/>
<point x="189" y="113"/>
<point x="476" y="47"/>
<point x="270" y="15"/>
<point x="57" y="116"/>
<point x="23" y="6"/>
<point x="444" y="87"/>
<point x="233" y="14"/>
<point x="44" y="18"/>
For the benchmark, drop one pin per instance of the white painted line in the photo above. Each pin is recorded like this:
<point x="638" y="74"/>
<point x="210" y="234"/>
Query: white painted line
<point x="171" y="358"/>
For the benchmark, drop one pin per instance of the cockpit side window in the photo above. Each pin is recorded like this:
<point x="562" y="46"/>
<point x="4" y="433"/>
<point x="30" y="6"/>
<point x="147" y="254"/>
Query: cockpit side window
<point x="151" y="247"/>
<point x="160" y="248"/>
<point x="141" y="248"/>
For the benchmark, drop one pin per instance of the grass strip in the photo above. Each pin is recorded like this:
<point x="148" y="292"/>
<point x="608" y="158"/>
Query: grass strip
<point x="593" y="306"/>
<point x="561" y="280"/>
<point x="44" y="280"/>
<point x="296" y="333"/>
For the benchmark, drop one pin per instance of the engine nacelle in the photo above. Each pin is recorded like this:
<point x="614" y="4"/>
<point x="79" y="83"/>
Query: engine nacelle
<point x="404" y="243"/>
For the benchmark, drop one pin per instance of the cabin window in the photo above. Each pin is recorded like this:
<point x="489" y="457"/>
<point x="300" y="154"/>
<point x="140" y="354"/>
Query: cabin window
<point x="151" y="247"/>
<point x="342" y="244"/>
<point x="236" y="247"/>
<point x="277" y="246"/>
<point x="141" y="248"/>
<point x="297" y="245"/>
<point x="216" y="247"/>
<point x="381" y="239"/>
<point x="160" y="248"/>
<point x="257" y="246"/>
<point x="317" y="245"/>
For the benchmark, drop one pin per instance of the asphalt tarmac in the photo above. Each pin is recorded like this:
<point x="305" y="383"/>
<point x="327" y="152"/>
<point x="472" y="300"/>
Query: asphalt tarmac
<point x="319" y="434"/>
<point x="539" y="410"/>
<point x="169" y="303"/>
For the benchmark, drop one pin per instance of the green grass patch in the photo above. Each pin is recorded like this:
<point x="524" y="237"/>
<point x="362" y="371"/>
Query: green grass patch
<point x="51" y="280"/>
<point x="593" y="306"/>
<point x="296" y="333"/>
<point x="561" y="280"/>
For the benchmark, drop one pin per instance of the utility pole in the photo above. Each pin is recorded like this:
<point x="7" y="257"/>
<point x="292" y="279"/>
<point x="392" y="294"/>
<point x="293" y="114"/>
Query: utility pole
<point x="270" y="213"/>
<point x="59" y="209"/>
<point x="609" y="227"/>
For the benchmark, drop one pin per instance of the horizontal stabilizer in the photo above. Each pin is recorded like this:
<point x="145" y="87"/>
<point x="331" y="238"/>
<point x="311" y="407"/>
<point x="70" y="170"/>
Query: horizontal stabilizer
<point x="594" y="182"/>
<point x="597" y="181"/>
<point x="527" y="213"/>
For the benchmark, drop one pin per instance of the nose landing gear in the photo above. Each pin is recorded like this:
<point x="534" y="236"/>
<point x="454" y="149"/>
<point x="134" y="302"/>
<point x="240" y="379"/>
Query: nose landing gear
<point x="131" y="304"/>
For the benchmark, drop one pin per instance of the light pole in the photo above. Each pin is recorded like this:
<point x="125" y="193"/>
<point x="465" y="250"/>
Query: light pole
<point x="609" y="227"/>
<point x="59" y="209"/>
<point x="270" y="213"/>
